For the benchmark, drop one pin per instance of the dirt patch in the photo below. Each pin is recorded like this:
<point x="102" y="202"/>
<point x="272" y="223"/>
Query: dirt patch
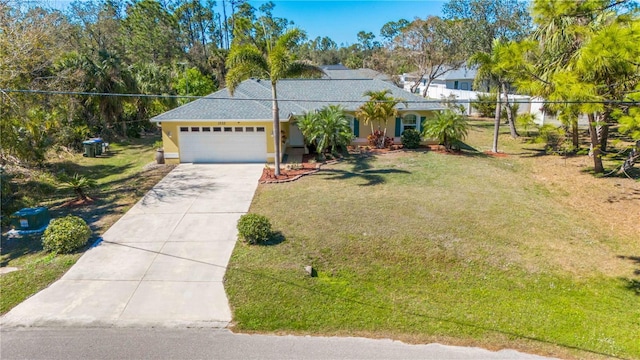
<point x="496" y="154"/>
<point x="78" y="202"/>
<point x="611" y="203"/>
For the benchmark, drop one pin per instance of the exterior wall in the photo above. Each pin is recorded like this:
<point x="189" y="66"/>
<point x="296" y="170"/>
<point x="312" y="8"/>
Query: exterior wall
<point x="171" y="137"/>
<point x="364" y="130"/>
<point x="462" y="84"/>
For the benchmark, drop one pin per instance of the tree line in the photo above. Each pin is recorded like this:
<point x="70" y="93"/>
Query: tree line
<point x="559" y="50"/>
<point x="177" y="48"/>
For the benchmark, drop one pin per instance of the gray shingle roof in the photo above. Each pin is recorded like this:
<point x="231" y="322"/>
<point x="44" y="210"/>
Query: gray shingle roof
<point x="251" y="100"/>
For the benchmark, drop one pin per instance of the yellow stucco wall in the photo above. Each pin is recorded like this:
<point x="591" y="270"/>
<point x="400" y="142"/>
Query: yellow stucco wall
<point x="171" y="141"/>
<point x="365" y="129"/>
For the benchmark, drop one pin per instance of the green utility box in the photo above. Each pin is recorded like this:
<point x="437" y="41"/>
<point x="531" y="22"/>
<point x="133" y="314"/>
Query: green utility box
<point x="30" y="219"/>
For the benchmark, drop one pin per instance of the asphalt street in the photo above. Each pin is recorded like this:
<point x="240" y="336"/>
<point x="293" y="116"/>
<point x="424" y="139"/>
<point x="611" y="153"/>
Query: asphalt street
<point x="163" y="343"/>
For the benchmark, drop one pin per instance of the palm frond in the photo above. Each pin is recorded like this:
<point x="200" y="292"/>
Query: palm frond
<point x="290" y="39"/>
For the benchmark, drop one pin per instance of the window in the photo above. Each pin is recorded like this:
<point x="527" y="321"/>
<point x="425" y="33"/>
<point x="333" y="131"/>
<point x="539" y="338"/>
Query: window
<point x="195" y="129"/>
<point x="455" y="84"/>
<point x="464" y="86"/>
<point x="249" y="129"/>
<point x="409" y="121"/>
<point x="228" y="129"/>
<point x="206" y="129"/>
<point x="217" y="129"/>
<point x="239" y="129"/>
<point x="184" y="129"/>
<point x="260" y="129"/>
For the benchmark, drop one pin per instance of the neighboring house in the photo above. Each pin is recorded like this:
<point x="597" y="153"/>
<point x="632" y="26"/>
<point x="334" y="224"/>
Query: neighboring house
<point x="456" y="79"/>
<point x="457" y="85"/>
<point x="226" y="129"/>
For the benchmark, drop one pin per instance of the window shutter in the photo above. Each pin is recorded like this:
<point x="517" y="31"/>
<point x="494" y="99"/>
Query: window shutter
<point x="423" y="120"/>
<point x="356" y="127"/>
<point x="398" y="126"/>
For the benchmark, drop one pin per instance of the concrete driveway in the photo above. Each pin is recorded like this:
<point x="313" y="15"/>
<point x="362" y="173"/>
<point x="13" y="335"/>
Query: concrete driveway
<point x="161" y="264"/>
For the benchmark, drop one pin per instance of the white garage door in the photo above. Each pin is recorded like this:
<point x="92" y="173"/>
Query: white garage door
<point x="223" y="144"/>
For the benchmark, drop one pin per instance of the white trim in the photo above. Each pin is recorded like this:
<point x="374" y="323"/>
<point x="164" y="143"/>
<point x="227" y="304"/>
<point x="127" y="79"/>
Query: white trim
<point x="352" y="120"/>
<point x="417" y="121"/>
<point x="217" y="120"/>
<point x="172" y="155"/>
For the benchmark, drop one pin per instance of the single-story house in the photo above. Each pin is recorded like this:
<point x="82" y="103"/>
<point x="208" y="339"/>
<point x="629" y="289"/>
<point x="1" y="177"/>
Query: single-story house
<point x="227" y="129"/>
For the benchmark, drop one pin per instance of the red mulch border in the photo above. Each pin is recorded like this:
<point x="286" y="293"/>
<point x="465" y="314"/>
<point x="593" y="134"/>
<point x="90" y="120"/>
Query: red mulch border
<point x="294" y="174"/>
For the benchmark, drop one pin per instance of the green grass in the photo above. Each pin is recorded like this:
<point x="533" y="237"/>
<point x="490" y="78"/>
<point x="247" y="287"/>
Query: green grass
<point x="121" y="181"/>
<point x="464" y="249"/>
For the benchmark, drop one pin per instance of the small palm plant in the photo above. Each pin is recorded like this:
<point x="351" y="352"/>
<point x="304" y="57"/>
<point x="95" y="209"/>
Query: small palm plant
<point x="448" y="127"/>
<point x="79" y="184"/>
<point x="327" y="128"/>
<point x="527" y="121"/>
<point x="380" y="107"/>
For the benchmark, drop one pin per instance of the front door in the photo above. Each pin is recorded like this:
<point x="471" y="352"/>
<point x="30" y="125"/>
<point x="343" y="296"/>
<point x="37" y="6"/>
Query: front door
<point x="295" y="136"/>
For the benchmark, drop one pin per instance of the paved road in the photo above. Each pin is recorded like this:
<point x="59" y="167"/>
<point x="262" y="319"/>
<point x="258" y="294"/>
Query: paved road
<point x="161" y="264"/>
<point x="127" y="343"/>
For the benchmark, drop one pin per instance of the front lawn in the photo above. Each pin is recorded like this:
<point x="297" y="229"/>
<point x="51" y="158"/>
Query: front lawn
<point x="461" y="249"/>
<point x="123" y="176"/>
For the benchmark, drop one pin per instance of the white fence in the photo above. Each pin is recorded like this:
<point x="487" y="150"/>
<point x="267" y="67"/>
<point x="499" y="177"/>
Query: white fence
<point x="526" y="104"/>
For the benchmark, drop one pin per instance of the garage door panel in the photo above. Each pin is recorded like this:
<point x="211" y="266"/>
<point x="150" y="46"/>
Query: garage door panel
<point x="222" y="147"/>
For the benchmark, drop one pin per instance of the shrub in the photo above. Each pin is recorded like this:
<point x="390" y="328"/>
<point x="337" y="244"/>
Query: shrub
<point x="526" y="121"/>
<point x="485" y="104"/>
<point x="410" y="138"/>
<point x="254" y="228"/>
<point x="552" y="136"/>
<point x="513" y="107"/>
<point x="376" y="141"/>
<point x="64" y="235"/>
<point x="448" y="127"/>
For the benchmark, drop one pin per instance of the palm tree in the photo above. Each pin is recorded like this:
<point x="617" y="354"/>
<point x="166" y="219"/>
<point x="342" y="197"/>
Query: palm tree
<point x="273" y="61"/>
<point x="379" y="108"/>
<point x="326" y="128"/>
<point x="78" y="184"/>
<point x="496" y="66"/>
<point x="448" y="127"/>
<point x="104" y="73"/>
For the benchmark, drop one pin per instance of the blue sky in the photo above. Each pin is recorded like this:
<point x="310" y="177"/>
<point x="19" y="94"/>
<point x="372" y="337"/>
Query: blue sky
<point x="342" y="20"/>
<point x="339" y="20"/>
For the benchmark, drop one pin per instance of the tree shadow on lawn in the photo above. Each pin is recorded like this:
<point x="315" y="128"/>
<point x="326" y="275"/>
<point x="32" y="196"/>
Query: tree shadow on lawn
<point x="15" y="247"/>
<point x="632" y="284"/>
<point x="533" y="153"/>
<point x="468" y="150"/>
<point x="277" y="237"/>
<point x="362" y="169"/>
<point x="95" y="172"/>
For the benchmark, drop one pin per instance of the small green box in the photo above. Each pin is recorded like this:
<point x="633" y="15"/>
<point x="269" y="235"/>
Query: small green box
<point x="30" y="218"/>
